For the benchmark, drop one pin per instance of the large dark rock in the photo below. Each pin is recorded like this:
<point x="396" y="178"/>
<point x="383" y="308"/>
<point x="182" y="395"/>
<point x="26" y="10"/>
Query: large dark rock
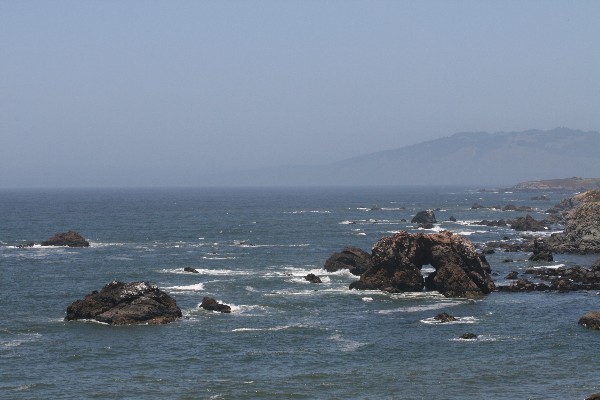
<point x="70" y="238"/>
<point x="424" y="217"/>
<point x="120" y="303"/>
<point x="398" y="259"/>
<point x="590" y="320"/>
<point x="355" y="260"/>
<point x="582" y="226"/>
<point x="527" y="223"/>
<point x="208" y="303"/>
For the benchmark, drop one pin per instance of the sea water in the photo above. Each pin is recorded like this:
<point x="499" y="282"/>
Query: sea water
<point x="286" y="337"/>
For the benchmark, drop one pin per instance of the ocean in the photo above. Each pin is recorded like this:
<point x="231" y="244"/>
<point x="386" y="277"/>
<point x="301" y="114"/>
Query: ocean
<point x="286" y="338"/>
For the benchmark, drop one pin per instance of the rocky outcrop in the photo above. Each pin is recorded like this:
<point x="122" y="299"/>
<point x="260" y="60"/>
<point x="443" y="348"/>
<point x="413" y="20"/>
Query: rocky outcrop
<point x="190" y="269"/>
<point x="424" y="217"/>
<point x="590" y="320"/>
<point x="582" y="226"/>
<point x="70" y="238"/>
<point x="355" y="260"/>
<point x="398" y="259"/>
<point x="120" y="303"/>
<point x="210" y="304"/>
<point x="527" y="223"/>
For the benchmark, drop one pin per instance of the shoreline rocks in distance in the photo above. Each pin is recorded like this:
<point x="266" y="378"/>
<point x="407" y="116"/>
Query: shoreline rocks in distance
<point x="582" y="225"/>
<point x="120" y="303"/>
<point x="70" y="239"/>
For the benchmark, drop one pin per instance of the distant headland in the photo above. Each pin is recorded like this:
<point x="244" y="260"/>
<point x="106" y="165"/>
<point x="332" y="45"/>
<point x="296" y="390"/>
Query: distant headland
<point x="563" y="184"/>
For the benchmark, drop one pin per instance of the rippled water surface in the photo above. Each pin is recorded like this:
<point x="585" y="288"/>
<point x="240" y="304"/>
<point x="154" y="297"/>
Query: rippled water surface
<point x="286" y="338"/>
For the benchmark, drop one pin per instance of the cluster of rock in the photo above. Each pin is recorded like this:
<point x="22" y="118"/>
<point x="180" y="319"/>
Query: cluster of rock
<point x="395" y="263"/>
<point x="556" y="279"/>
<point x="120" y="303"/>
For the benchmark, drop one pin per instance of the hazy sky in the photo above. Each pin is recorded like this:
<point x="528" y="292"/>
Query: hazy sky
<point x="115" y="93"/>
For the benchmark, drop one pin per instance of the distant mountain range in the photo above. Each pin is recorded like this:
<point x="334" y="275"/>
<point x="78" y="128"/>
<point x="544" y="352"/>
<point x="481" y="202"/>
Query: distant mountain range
<point x="477" y="158"/>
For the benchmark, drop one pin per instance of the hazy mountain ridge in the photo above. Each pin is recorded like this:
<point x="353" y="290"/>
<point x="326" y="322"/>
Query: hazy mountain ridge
<point x="465" y="158"/>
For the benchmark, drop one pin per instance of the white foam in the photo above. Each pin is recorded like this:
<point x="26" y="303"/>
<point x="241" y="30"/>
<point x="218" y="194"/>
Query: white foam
<point x="367" y="299"/>
<point x="346" y="344"/>
<point x="428" y="307"/>
<point x="459" y="320"/>
<point x="206" y="271"/>
<point x="187" y="288"/>
<point x="268" y="329"/>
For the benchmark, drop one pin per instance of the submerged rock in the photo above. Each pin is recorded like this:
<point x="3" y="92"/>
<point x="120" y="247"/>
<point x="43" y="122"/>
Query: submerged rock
<point x="468" y="336"/>
<point x="312" y="278"/>
<point x="397" y="261"/>
<point x="70" y="238"/>
<point x="444" y="317"/>
<point x="590" y="320"/>
<point x="208" y="303"/>
<point x="190" y="269"/>
<point x="120" y="303"/>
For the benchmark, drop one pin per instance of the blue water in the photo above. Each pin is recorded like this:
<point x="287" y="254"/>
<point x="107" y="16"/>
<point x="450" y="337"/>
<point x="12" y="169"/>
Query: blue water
<point x="286" y="338"/>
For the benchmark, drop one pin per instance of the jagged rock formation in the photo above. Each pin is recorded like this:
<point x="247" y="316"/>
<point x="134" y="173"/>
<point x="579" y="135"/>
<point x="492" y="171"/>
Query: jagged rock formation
<point x="424" y="217"/>
<point x="541" y="251"/>
<point x="355" y="260"/>
<point x="398" y="259"/>
<point x="70" y="238"/>
<point x="120" y="303"/>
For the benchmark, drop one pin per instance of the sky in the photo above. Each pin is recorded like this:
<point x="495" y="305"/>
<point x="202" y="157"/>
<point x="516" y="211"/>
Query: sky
<point x="161" y="93"/>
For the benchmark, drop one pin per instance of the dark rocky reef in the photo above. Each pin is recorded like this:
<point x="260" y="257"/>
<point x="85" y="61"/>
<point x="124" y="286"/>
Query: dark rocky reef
<point x="556" y="279"/>
<point x="355" y="260"/>
<point x="210" y="304"/>
<point x="70" y="238"/>
<point x="120" y="303"/>
<point x="397" y="261"/>
<point x="590" y="320"/>
<point x="190" y="269"/>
